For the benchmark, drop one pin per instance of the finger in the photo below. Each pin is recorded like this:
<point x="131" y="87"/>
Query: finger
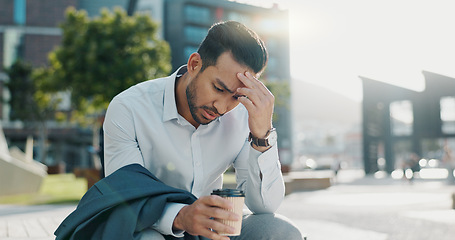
<point x="220" y="208"/>
<point x="254" y="83"/>
<point x="247" y="103"/>
<point x="215" y="207"/>
<point x="212" y="235"/>
<point x="215" y="236"/>
<point x="259" y="100"/>
<point x="249" y="83"/>
<point x="220" y="213"/>
<point x="220" y="227"/>
<point x="261" y="86"/>
<point x="205" y="229"/>
<point x="253" y="95"/>
<point x="216" y="201"/>
<point x="202" y="225"/>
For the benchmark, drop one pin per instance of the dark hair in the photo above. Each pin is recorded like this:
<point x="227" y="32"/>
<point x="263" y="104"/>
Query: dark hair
<point x="244" y="44"/>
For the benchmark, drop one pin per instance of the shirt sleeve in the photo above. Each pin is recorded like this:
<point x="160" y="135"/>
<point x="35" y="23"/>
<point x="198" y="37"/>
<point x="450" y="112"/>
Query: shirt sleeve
<point x="120" y="144"/>
<point x="262" y="195"/>
<point x="121" y="149"/>
<point x="164" y="224"/>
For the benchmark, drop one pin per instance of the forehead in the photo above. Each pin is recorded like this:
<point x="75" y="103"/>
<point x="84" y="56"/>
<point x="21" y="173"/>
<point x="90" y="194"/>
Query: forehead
<point x="226" y="70"/>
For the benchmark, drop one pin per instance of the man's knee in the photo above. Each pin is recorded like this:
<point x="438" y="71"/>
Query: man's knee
<point x="269" y="226"/>
<point x="150" y="234"/>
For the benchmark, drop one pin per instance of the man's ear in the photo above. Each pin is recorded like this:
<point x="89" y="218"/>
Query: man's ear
<point x="194" y="64"/>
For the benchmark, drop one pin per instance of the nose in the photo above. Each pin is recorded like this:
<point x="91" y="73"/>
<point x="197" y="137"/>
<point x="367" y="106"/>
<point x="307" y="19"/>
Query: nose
<point x="225" y="104"/>
<point x="221" y="106"/>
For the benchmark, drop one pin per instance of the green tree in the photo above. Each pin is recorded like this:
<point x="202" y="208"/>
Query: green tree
<point x="97" y="59"/>
<point x="281" y="91"/>
<point x="28" y="104"/>
<point x="101" y="57"/>
<point x="21" y="88"/>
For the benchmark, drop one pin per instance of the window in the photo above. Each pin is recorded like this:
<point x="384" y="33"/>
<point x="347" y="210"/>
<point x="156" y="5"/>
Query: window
<point x="272" y="67"/>
<point x="401" y="118"/>
<point x="239" y="17"/>
<point x="19" y="12"/>
<point x="196" y="14"/>
<point x="188" y="50"/>
<point x="14" y="45"/>
<point x="448" y="115"/>
<point x="195" y="34"/>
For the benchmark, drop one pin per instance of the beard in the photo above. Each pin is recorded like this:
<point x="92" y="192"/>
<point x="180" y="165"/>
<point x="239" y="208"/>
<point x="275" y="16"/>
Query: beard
<point x="191" y="97"/>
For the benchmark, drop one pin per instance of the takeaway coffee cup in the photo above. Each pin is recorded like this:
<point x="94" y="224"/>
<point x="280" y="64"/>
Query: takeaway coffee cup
<point x="237" y="197"/>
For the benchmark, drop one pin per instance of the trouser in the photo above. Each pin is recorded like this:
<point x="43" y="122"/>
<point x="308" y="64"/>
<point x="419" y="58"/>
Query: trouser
<point x="254" y="226"/>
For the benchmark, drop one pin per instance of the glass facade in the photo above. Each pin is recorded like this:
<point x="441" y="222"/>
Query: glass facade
<point x="93" y="8"/>
<point x="197" y="14"/>
<point x="447" y="115"/>
<point x="13" y="46"/>
<point x="239" y="17"/>
<point x="195" y="35"/>
<point x="188" y="50"/>
<point x="20" y="12"/>
<point x="198" y="20"/>
<point x="401" y="117"/>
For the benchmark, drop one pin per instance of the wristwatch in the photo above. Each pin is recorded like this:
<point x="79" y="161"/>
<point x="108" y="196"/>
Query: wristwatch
<point x="269" y="140"/>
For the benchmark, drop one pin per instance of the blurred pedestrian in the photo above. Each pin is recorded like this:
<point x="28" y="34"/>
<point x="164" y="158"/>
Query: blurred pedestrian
<point x="411" y="167"/>
<point x="449" y="162"/>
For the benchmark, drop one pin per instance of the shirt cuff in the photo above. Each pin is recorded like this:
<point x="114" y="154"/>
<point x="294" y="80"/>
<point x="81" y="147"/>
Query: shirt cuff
<point x="266" y="160"/>
<point x="164" y="224"/>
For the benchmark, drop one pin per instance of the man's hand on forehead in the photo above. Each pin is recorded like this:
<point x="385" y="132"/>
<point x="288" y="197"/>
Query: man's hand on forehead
<point x="259" y="102"/>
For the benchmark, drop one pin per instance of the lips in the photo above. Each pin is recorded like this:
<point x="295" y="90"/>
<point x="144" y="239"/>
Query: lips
<point x="208" y="114"/>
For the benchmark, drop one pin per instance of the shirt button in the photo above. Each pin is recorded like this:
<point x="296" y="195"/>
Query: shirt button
<point x="198" y="164"/>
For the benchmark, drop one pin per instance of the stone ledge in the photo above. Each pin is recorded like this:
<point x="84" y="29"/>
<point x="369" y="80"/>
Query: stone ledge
<point x="307" y="180"/>
<point x="301" y="181"/>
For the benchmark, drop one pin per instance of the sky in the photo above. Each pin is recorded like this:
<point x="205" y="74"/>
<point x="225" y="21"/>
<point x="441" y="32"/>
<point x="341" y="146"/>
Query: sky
<point x="333" y="42"/>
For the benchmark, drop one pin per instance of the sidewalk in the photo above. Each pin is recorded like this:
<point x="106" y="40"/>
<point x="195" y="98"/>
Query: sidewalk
<point x="375" y="209"/>
<point x="31" y="222"/>
<point x="353" y="209"/>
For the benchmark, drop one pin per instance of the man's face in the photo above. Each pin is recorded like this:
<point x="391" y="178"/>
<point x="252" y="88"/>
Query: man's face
<point x="212" y="92"/>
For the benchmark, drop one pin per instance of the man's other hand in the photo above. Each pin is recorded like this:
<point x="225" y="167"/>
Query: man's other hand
<point x="198" y="218"/>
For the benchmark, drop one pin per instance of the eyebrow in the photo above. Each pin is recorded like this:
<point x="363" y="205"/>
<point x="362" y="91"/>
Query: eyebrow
<point x="224" y="85"/>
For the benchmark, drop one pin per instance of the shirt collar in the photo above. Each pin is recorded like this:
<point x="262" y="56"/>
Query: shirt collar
<point x="170" y="106"/>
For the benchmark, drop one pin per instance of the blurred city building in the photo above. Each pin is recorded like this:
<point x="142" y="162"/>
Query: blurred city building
<point x="29" y="31"/>
<point x="93" y="8"/>
<point x="400" y="123"/>
<point x="327" y="128"/>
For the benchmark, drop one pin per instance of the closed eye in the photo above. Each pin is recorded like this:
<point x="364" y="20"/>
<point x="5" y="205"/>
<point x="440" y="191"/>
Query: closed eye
<point x="218" y="89"/>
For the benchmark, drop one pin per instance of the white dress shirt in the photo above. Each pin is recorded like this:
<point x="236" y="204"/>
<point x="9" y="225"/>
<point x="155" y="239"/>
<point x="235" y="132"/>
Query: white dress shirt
<point x="142" y="126"/>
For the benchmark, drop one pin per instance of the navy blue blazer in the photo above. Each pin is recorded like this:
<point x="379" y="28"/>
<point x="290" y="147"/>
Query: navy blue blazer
<point x="120" y="206"/>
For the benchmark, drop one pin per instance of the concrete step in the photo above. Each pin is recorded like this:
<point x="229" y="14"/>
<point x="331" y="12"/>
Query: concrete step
<point x="296" y="181"/>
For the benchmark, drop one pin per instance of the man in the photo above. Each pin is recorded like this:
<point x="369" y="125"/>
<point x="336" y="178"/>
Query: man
<point x="188" y="128"/>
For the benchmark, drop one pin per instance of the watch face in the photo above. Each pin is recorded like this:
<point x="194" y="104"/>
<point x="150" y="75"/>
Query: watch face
<point x="272" y="138"/>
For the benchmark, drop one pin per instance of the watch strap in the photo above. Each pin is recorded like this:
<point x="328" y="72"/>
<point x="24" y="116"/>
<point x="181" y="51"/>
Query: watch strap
<point x="260" y="142"/>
